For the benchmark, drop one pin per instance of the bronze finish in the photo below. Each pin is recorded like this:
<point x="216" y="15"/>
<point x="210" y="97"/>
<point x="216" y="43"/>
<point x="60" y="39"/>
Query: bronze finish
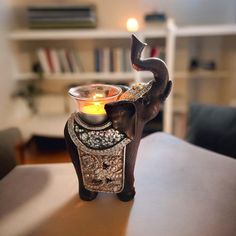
<point x="129" y="117"/>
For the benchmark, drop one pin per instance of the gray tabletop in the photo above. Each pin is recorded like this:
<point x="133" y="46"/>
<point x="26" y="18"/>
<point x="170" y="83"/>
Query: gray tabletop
<point x="181" y="190"/>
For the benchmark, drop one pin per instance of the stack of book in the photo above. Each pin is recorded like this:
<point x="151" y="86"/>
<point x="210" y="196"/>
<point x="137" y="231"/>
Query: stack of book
<point x="48" y="17"/>
<point x="106" y="60"/>
<point x="112" y="60"/>
<point x="57" y="61"/>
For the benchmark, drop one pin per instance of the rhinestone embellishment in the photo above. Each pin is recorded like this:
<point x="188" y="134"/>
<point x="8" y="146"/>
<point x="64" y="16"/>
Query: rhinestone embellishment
<point x="103" y="173"/>
<point x="102" y="155"/>
<point x="99" y="139"/>
<point x="137" y="91"/>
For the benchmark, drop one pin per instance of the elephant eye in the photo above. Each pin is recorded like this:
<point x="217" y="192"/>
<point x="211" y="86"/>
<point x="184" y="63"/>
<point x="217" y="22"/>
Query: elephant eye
<point x="146" y="101"/>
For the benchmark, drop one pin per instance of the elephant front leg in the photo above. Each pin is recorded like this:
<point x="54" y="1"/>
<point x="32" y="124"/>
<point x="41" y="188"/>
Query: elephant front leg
<point x="84" y="194"/>
<point x="128" y="191"/>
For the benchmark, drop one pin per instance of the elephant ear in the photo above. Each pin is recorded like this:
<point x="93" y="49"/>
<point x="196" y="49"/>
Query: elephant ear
<point x="122" y="114"/>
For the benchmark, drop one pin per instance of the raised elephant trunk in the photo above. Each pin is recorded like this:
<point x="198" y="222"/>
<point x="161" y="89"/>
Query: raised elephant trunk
<point x="154" y="65"/>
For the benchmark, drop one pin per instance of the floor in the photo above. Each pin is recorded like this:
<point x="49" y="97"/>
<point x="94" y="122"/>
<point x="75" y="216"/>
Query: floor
<point x="46" y="151"/>
<point x="46" y="157"/>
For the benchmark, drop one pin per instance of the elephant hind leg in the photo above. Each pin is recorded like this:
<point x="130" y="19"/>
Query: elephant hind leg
<point x="126" y="196"/>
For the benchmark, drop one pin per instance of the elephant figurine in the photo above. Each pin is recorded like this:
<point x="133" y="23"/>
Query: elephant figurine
<point x="128" y="116"/>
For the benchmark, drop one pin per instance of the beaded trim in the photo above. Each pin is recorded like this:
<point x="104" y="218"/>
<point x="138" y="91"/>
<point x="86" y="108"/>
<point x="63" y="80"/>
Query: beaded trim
<point x="108" y="151"/>
<point x="137" y="91"/>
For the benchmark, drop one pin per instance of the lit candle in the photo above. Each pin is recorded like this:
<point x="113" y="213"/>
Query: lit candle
<point x="91" y="100"/>
<point x="96" y="107"/>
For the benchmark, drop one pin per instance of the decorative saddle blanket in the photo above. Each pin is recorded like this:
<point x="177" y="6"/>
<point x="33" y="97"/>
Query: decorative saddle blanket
<point x="101" y="150"/>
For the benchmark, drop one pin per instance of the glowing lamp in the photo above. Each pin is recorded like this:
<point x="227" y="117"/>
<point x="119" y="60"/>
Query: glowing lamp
<point x="132" y="25"/>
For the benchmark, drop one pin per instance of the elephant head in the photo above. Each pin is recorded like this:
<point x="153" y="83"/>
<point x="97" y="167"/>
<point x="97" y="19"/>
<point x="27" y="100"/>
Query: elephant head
<point x="136" y="107"/>
<point x="142" y="102"/>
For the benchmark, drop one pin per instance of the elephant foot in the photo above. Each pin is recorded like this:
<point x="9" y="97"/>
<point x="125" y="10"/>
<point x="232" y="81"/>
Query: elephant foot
<point x="126" y="196"/>
<point x="87" y="195"/>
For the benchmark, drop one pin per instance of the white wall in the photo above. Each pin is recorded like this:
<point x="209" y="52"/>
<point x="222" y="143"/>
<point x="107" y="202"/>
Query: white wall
<point x="5" y="68"/>
<point x="114" y="13"/>
<point x="196" y="11"/>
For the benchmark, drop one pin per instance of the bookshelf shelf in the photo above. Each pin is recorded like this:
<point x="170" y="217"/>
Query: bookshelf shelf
<point x="153" y="33"/>
<point x="26" y="34"/>
<point x="115" y="77"/>
<point x="203" y="74"/>
<point x="209" y="30"/>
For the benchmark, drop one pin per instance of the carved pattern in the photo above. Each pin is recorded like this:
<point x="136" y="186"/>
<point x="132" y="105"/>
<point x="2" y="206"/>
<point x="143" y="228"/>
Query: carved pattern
<point x="103" y="173"/>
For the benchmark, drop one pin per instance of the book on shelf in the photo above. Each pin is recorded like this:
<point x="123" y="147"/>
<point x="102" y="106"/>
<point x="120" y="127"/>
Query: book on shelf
<point x="128" y="60"/>
<point x="96" y="60"/>
<point x="117" y="59"/>
<point x="49" y="59"/>
<point x="154" y="52"/>
<point x="124" y="66"/>
<point x="42" y="57"/>
<point x="62" y="16"/>
<point x="57" y="61"/>
<point x="73" y="61"/>
<point x="79" y="61"/>
<point x="158" y="52"/>
<point x="61" y="60"/>
<point x="64" y="61"/>
<point x="112" y="60"/>
<point x="106" y="59"/>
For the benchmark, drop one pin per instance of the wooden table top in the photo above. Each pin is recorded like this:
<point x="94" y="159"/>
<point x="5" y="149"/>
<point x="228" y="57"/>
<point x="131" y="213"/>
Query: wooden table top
<point x="181" y="190"/>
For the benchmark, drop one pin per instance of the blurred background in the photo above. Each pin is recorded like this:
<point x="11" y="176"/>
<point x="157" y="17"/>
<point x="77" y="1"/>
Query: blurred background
<point x="49" y="46"/>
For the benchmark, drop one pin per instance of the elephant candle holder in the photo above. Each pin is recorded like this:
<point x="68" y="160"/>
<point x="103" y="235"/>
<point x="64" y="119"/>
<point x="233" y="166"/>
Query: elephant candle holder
<point x="104" y="133"/>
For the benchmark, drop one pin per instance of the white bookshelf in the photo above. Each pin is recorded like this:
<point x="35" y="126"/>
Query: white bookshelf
<point x="205" y="43"/>
<point x="80" y="77"/>
<point x="27" y="34"/>
<point x="187" y="31"/>
<point x="177" y="59"/>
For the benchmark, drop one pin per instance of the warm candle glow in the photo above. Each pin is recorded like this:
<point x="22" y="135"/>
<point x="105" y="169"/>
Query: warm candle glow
<point x="95" y="108"/>
<point x="132" y="25"/>
<point x="91" y="100"/>
<point x="98" y="95"/>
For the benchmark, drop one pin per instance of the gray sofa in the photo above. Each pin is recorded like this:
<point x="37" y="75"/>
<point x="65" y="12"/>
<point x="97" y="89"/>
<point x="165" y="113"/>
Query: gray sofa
<point x="213" y="128"/>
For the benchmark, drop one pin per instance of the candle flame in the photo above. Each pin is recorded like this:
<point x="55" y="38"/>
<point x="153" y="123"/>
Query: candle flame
<point x="97" y="95"/>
